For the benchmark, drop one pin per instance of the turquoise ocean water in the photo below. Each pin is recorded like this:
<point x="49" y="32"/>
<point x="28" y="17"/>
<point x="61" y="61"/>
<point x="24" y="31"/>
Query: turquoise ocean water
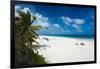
<point x="74" y="36"/>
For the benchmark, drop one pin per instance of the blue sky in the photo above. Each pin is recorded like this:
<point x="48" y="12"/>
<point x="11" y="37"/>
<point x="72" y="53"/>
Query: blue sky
<point x="61" y="20"/>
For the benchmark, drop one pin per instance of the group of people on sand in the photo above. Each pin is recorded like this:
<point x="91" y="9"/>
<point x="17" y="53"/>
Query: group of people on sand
<point x="46" y="38"/>
<point x="82" y="44"/>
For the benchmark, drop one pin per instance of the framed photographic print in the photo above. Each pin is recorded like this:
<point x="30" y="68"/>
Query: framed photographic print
<point x="50" y="34"/>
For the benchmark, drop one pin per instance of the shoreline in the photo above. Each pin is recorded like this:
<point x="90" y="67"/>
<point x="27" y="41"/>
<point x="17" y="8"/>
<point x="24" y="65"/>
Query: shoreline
<point x="71" y="36"/>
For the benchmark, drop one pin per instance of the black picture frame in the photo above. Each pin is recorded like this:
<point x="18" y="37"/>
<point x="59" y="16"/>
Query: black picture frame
<point x="46" y="3"/>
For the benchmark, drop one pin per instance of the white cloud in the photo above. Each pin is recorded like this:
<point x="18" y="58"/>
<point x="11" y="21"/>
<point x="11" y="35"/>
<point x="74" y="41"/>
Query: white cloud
<point x="67" y="20"/>
<point x="41" y="20"/>
<point x="56" y="25"/>
<point x="38" y="15"/>
<point x="27" y="9"/>
<point x="17" y="7"/>
<point x="16" y="14"/>
<point x="79" y="21"/>
<point x="77" y="27"/>
<point x="79" y="30"/>
<point x="76" y="23"/>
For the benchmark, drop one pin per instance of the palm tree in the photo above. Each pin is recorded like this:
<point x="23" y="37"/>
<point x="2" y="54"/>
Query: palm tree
<point x="24" y="36"/>
<point x="24" y="21"/>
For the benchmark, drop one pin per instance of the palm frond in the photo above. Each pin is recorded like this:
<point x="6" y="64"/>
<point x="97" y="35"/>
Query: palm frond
<point x="36" y="27"/>
<point x="25" y="17"/>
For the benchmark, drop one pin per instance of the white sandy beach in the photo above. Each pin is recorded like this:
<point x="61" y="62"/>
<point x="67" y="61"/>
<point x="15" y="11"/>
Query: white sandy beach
<point x="63" y="49"/>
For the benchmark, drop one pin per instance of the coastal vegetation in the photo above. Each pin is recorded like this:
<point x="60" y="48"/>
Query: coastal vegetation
<point x="25" y="35"/>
